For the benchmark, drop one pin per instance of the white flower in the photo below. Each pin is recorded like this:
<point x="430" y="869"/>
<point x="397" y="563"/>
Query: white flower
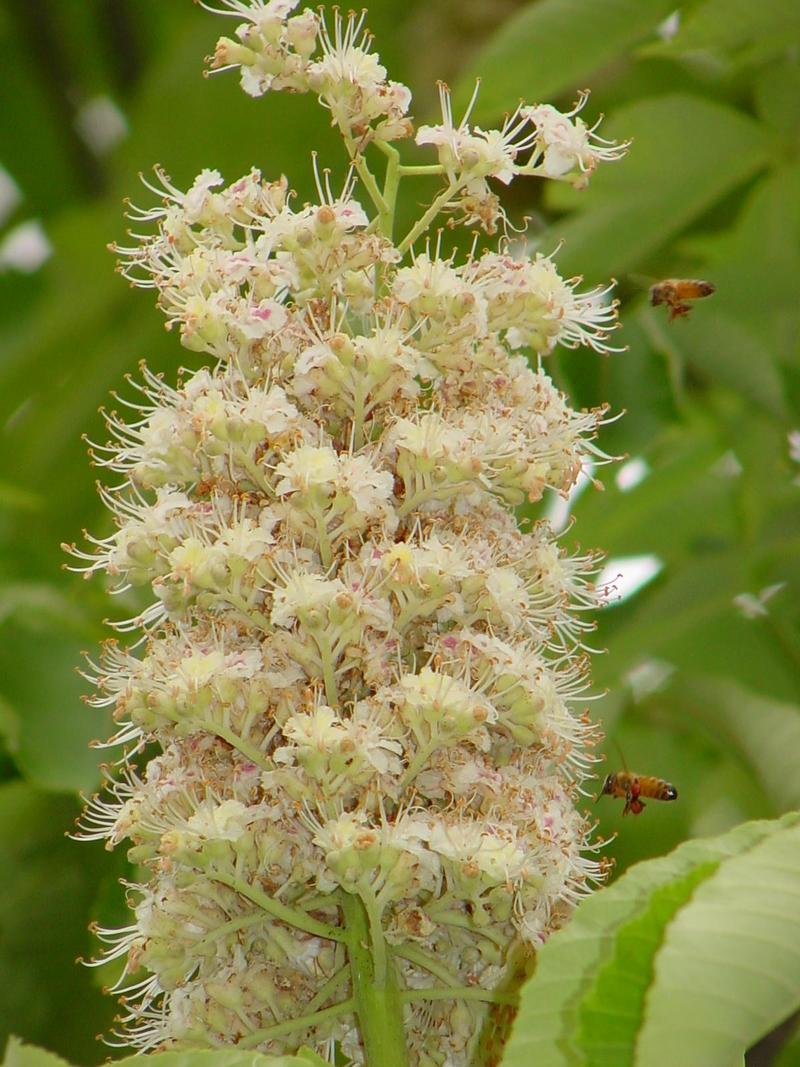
<point x="371" y="489"/>
<point x="493" y="853"/>
<point x="364" y="679"/>
<point x="469" y="153"/>
<point x="219" y="822"/>
<point x="308" y="468"/>
<point x="564" y="146"/>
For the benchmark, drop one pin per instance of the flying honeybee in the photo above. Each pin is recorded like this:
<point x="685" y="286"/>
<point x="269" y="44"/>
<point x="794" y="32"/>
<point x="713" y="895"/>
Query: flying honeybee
<point x="635" y="786"/>
<point x="675" y="292"/>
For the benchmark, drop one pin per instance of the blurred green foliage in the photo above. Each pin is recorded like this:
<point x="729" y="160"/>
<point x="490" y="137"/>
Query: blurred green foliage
<point x="701" y="691"/>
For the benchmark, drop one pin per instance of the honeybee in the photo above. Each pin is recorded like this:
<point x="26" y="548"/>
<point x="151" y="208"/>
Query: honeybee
<point x="674" y="292"/>
<point x="635" y="786"/>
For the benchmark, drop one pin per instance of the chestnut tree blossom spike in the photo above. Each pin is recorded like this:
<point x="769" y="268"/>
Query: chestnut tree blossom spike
<point x="365" y="682"/>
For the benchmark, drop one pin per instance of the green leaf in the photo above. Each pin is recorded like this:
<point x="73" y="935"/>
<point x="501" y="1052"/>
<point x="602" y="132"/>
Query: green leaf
<point x="730" y="25"/>
<point x="668" y="938"/>
<point x="729" y="968"/>
<point x="40" y="683"/>
<point x="687" y="153"/>
<point x="682" y="498"/>
<point x="21" y="1055"/>
<point x="46" y="894"/>
<point x="18" y="1054"/>
<point x="688" y="619"/>
<point x="754" y="265"/>
<point x="777" y="90"/>
<point x="553" y="46"/>
<point x="216" y="1058"/>
<point x="726" y="351"/>
<point x="627" y="976"/>
<point x="765" y="733"/>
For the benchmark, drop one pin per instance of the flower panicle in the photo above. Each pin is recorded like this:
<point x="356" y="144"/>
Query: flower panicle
<point x="366" y="684"/>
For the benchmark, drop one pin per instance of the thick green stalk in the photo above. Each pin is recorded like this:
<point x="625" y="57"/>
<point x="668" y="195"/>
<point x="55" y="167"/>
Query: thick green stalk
<point x="378" y="1004"/>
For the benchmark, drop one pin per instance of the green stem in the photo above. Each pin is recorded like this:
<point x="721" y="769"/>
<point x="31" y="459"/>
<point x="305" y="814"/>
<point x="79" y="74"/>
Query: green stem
<point x="300" y="1023"/>
<point x="461" y="993"/>
<point x="259" y="480"/>
<point x="463" y="922"/>
<point x="239" y="743"/>
<point x="379" y="955"/>
<point x="422" y="959"/>
<point x="328" y="989"/>
<point x="415" y="608"/>
<point x="422" y="224"/>
<point x="390" y="186"/>
<point x="419" y="762"/>
<point x="234" y="740"/>
<point x="324" y="541"/>
<point x="290" y="916"/>
<point x="328" y="669"/>
<point x="366" y="175"/>
<point x="378" y="1005"/>
<point x="240" y="923"/>
<point x="420" y="168"/>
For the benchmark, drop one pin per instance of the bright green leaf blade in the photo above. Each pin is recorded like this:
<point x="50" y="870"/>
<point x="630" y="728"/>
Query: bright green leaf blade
<point x="766" y="733"/>
<point x="569" y="962"/>
<point x="21" y="1055"/>
<point x="546" y="1028"/>
<point x="552" y="46"/>
<point x="217" y="1058"/>
<point x="18" y="1054"/>
<point x="729" y="968"/>
<point x="687" y="153"/>
<point x="607" y="1036"/>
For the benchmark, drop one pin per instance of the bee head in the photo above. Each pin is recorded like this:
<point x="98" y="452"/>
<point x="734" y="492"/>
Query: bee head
<point x="608" y="785"/>
<point x="672" y="793"/>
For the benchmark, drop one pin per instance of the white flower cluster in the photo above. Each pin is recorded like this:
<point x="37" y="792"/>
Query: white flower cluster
<point x="362" y="675"/>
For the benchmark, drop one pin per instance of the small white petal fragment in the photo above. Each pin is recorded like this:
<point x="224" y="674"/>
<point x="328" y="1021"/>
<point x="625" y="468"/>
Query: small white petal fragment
<point x="25" y="248"/>
<point x="631" y="474"/>
<point x="624" y="576"/>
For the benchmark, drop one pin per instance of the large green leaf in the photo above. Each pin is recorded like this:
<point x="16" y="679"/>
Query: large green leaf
<point x="765" y="733"/>
<point x="554" y="46"/>
<point x="20" y="1055"/>
<point x="687" y="959"/>
<point x="220" y="1058"/>
<point x="688" y="619"/>
<point x="721" y="348"/>
<point x="627" y="976"/>
<point x="735" y="24"/>
<point x="687" y="153"/>
<point x="754" y="264"/>
<point x="46" y="895"/>
<point x="42" y="634"/>
<point x="777" y="90"/>
<point x="728" y="970"/>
